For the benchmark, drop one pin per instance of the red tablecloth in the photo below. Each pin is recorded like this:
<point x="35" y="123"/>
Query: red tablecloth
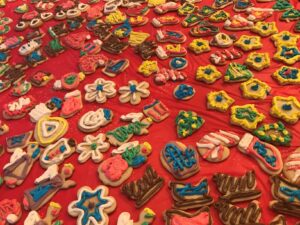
<point x="160" y="133"/>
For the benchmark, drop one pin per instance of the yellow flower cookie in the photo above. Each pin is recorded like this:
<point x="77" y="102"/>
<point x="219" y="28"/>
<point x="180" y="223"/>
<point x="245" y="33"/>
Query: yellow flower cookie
<point x="248" y="43"/>
<point x="219" y="100"/>
<point x="148" y="67"/>
<point x="265" y="29"/>
<point x="137" y="38"/>
<point x="116" y="17"/>
<point x="287" y="54"/>
<point x="255" y="89"/>
<point x="258" y="60"/>
<point x="287" y="75"/>
<point x="246" y="116"/>
<point x="199" y="46"/>
<point x="208" y="74"/>
<point x="285" y="38"/>
<point x="286" y="108"/>
<point x="219" y="16"/>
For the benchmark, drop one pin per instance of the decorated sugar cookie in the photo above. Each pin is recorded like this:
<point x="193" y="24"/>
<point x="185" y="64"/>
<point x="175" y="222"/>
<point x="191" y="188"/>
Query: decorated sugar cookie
<point x="164" y="75"/>
<point x="49" y="129"/>
<point x="20" y="87"/>
<point x="156" y="110"/>
<point x="41" y="78"/>
<point x="265" y="29"/>
<point x="116" y="17"/>
<point x="134" y="153"/>
<point x="187" y="123"/>
<point x="3" y="128"/>
<point x="54" y="48"/>
<point x="100" y="90"/>
<point x="178" y="63"/>
<point x="93" y="120"/>
<point x="286" y="75"/>
<point x="123" y="134"/>
<point x="237" y="22"/>
<point x="223" y="40"/>
<point x="72" y="104"/>
<point x="220" y="58"/>
<point x="88" y="64"/>
<point x="69" y="81"/>
<point x="146" y="49"/>
<point x="114" y="170"/>
<point x="259" y="14"/>
<point x="291" y="169"/>
<point x="285" y="38"/>
<point x="219" y="16"/>
<point x="287" y="54"/>
<point x="242" y="5"/>
<point x="20" y="164"/>
<point x="204" y="29"/>
<point x="132" y="117"/>
<point x="113" y="68"/>
<point x="199" y="46"/>
<point x="274" y="133"/>
<point x="36" y="197"/>
<point x="214" y="147"/>
<point x="290" y="15"/>
<point x="206" y="11"/>
<point x="170" y="50"/>
<point x="18" y="141"/>
<point x="267" y="155"/>
<point x="208" y="74"/>
<point x="286" y="108"/>
<point x="134" y="92"/>
<point x="282" y="5"/>
<point x="220" y="4"/>
<point x="248" y="43"/>
<point x="18" y="108"/>
<point x="166" y="7"/>
<point x="171" y="36"/>
<point x="255" y="89"/>
<point x="92" y="148"/>
<point x="147" y="216"/>
<point x="184" y="92"/>
<point x="191" y="20"/>
<point x="186" y="9"/>
<point x="165" y="21"/>
<point x="56" y="153"/>
<point x="137" y="38"/>
<point x="219" y="100"/>
<point x="246" y="116"/>
<point x="148" y="67"/>
<point x="11" y="211"/>
<point x="237" y="72"/>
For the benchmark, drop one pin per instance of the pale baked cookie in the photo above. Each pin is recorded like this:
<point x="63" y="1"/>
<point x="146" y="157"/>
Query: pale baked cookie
<point x="57" y="152"/>
<point x="291" y="167"/>
<point x="255" y="89"/>
<point x="114" y="170"/>
<point x="219" y="100"/>
<point x="134" y="92"/>
<point x="93" y="120"/>
<point x="100" y="90"/>
<point x="92" y="148"/>
<point x="267" y="156"/>
<point x="69" y="81"/>
<point x="181" y="161"/>
<point x="246" y="116"/>
<point x="92" y="206"/>
<point x="132" y="117"/>
<point x="146" y="217"/>
<point x="214" y="147"/>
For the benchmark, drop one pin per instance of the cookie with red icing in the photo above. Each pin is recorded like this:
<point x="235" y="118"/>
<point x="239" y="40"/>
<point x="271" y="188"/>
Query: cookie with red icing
<point x="72" y="104"/>
<point x="18" y="108"/>
<point x="10" y="211"/>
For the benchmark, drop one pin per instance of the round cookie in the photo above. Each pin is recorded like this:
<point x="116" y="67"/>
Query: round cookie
<point x="183" y="92"/>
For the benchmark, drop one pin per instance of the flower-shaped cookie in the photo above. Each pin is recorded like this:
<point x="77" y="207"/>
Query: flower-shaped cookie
<point x="100" y="90"/>
<point x="208" y="74"/>
<point x="258" y="61"/>
<point x="219" y="16"/>
<point x="199" y="46"/>
<point x="287" y="54"/>
<point x="264" y="29"/>
<point x="219" y="100"/>
<point x="287" y="75"/>
<point x="92" y="147"/>
<point x="148" y="67"/>
<point x="285" y="38"/>
<point x="134" y="92"/>
<point x="246" y="116"/>
<point x="286" y="108"/>
<point x="255" y="89"/>
<point x="248" y="43"/>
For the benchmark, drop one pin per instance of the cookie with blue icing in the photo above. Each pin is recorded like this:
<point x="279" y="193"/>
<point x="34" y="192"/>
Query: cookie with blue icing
<point x="178" y="63"/>
<point x="183" y="92"/>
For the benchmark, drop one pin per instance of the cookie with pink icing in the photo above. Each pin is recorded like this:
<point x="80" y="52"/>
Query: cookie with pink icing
<point x="214" y="147"/>
<point x="291" y="167"/>
<point x="72" y="104"/>
<point x="10" y="211"/>
<point x="18" y="108"/>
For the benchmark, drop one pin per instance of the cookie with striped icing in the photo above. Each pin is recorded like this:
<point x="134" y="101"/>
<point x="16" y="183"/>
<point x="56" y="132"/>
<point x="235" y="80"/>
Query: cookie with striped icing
<point x="291" y="167"/>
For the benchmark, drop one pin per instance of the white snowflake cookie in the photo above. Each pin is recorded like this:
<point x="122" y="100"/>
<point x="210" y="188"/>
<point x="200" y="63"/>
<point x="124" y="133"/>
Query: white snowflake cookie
<point x="134" y="92"/>
<point x="100" y="90"/>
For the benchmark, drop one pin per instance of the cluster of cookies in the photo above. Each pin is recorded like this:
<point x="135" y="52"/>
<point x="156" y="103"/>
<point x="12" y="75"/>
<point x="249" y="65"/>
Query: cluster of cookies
<point x="110" y="27"/>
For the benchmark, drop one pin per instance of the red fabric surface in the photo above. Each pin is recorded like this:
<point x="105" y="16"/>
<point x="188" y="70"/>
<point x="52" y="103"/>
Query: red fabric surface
<point x="160" y="133"/>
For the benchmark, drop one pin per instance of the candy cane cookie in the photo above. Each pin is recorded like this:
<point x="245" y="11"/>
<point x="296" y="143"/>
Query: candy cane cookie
<point x="291" y="167"/>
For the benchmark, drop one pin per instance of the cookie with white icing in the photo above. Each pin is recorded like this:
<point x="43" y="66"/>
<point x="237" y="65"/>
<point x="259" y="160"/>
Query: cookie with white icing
<point x="291" y="167"/>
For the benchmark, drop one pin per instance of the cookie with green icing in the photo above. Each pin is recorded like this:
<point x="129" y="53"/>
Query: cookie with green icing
<point x="282" y="5"/>
<point x="291" y="14"/>
<point x="237" y="72"/>
<point x="188" y="122"/>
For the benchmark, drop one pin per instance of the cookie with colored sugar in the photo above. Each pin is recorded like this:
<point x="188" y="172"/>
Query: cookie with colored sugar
<point x="23" y="8"/>
<point x="156" y="110"/>
<point x="184" y="92"/>
<point x="93" y="120"/>
<point x="137" y="38"/>
<point x="20" y="164"/>
<point x="255" y="89"/>
<point x="92" y="148"/>
<point x="297" y="27"/>
<point x="274" y="133"/>
<point x="18" y="108"/>
<point x="137" y="10"/>
<point x="154" y="3"/>
<point x="259" y="14"/>
<point x="223" y="40"/>
<point x="100" y="90"/>
<point x="123" y="31"/>
<point x="138" y="21"/>
<point x="134" y="92"/>
<point x="246" y="116"/>
<point x="69" y="81"/>
<point x="248" y="43"/>
<point x="11" y="211"/>
<point x="286" y="75"/>
<point x="285" y="38"/>
<point x="286" y="108"/>
<point x="190" y="196"/>
<point x="287" y="54"/>
<point x="291" y="169"/>
<point x="4" y="85"/>
<point x="199" y="46"/>
<point x="144" y="188"/>
<point x="113" y="68"/>
<point x="37" y="196"/>
<point x="92" y="206"/>
<point x="237" y="188"/>
<point x="264" y="29"/>
<point x="114" y="171"/>
<point x="187" y="123"/>
<point x="208" y="74"/>
<point x="52" y="213"/>
<point x="54" y="48"/>
<point x="135" y="153"/>
<point x="146" y="216"/>
<point x="214" y="147"/>
<point x="178" y="216"/>
<point x="123" y="134"/>
<point x="237" y="72"/>
<point x="72" y="104"/>
<point x="18" y="141"/>
<point x="237" y="22"/>
<point x="148" y="67"/>
<point x="219" y="100"/>
<point x="267" y="156"/>
<point x="187" y="8"/>
<point x="146" y="50"/>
